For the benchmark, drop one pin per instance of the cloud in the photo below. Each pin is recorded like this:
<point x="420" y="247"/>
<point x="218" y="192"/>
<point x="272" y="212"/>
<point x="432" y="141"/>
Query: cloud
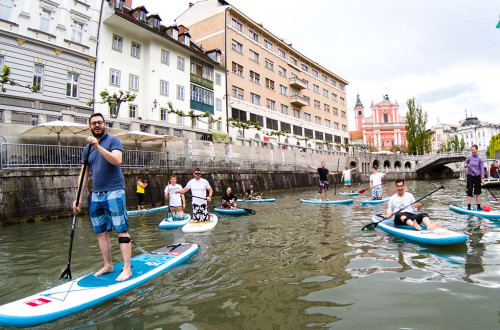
<point x="447" y="92"/>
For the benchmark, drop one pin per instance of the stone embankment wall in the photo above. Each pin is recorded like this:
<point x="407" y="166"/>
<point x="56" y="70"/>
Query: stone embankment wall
<point x="42" y="194"/>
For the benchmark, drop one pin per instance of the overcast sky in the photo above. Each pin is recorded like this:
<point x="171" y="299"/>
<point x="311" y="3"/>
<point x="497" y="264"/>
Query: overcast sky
<point x="445" y="53"/>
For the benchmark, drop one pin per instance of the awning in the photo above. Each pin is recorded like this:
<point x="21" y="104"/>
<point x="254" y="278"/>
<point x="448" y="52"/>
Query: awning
<point x="220" y="137"/>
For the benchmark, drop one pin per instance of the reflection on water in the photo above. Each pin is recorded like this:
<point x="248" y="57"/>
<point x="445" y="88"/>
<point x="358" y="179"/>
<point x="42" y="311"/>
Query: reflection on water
<point x="290" y="266"/>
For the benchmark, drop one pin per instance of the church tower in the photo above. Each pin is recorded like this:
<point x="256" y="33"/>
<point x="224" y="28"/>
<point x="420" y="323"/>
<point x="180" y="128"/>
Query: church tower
<point x="359" y="114"/>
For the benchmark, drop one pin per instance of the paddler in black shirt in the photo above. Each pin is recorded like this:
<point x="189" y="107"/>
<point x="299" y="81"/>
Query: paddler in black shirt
<point x="323" y="179"/>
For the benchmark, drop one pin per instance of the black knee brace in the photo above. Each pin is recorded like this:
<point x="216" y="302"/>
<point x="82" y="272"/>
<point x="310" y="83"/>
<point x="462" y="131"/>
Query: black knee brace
<point x="124" y="240"/>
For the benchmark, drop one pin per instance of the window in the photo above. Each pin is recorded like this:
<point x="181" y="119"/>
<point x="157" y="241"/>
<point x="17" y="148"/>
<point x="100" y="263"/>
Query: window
<point x="317" y="120"/>
<point x="328" y="137"/>
<point x="344" y="128"/>
<point x="180" y="92"/>
<point x="202" y="95"/>
<point x="306" y="82"/>
<point x="237" y="69"/>
<point x="257" y="119"/>
<point x="281" y="53"/>
<point x="236" y="46"/>
<point x="342" y="114"/>
<point x="180" y="120"/>
<point x="238" y="92"/>
<point x="307" y="116"/>
<point x="254" y="36"/>
<point x="324" y="78"/>
<point x="133" y="82"/>
<point x="254" y="56"/>
<point x="334" y="83"/>
<point x="255" y="77"/>
<point x="328" y="122"/>
<point x="282" y="71"/>
<point x="255" y="99"/>
<point x="334" y="96"/>
<point x="315" y="73"/>
<point x="341" y="87"/>
<point x="335" y="111"/>
<point x="295" y="92"/>
<point x="316" y="88"/>
<point x="45" y="21"/>
<point x="386" y="118"/>
<point x="269" y="64"/>
<point x="304" y="67"/>
<point x="269" y="45"/>
<point x="37" y="73"/>
<point x="77" y="32"/>
<point x="163" y="114"/>
<point x="271" y="104"/>
<point x="272" y="124"/>
<point x="239" y="114"/>
<point x="136" y="50"/>
<point x="342" y="100"/>
<point x="165" y="57"/>
<point x="180" y="63"/>
<point x="114" y="77"/>
<point x="142" y="16"/>
<point x="132" y="110"/>
<point x="297" y="130"/>
<point x="336" y="125"/>
<point x="237" y="25"/>
<point x="317" y="104"/>
<point x="283" y="90"/>
<point x="72" y="85"/>
<point x="6" y="9"/>
<point x="270" y="84"/>
<point x="294" y="60"/>
<point x="218" y="104"/>
<point x="202" y="69"/>
<point x="284" y="109"/>
<point x="325" y="92"/>
<point x="117" y="43"/>
<point x="1" y="62"/>
<point x="327" y="107"/>
<point x="285" y="127"/>
<point x="318" y="135"/>
<point x="308" y="132"/>
<point x="296" y="113"/>
<point x="164" y="87"/>
<point x="218" y="79"/>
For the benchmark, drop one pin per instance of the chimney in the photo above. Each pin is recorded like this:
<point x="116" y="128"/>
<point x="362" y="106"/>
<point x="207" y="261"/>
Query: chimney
<point x="128" y="4"/>
<point x="191" y="4"/>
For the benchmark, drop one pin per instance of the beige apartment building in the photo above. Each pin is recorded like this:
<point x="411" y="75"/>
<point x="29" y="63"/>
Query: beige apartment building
<point x="270" y="82"/>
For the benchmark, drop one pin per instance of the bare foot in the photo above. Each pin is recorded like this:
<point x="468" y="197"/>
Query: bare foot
<point x="125" y="274"/>
<point x="434" y="225"/>
<point x="104" y="270"/>
<point x="416" y="226"/>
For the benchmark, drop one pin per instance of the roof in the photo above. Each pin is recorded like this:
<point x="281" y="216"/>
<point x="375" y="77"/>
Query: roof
<point x="356" y="135"/>
<point x="471" y="121"/>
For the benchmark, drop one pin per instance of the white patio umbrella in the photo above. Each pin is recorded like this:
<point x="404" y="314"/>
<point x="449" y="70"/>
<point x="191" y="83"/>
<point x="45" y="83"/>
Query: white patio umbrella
<point x="138" y="136"/>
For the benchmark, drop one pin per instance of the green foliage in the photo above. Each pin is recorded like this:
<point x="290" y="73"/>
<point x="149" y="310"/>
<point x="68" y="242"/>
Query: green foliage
<point x="494" y="146"/>
<point x="453" y="144"/>
<point x="419" y="139"/>
<point x="279" y="134"/>
<point x="192" y="115"/>
<point x="5" y="79"/>
<point x="243" y="125"/>
<point x="114" y="100"/>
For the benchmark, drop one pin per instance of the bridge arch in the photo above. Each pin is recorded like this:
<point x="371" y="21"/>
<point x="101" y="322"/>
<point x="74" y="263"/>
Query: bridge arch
<point x="387" y="164"/>
<point x="397" y="164"/>
<point x="407" y="165"/>
<point x="352" y="164"/>
<point x="376" y="163"/>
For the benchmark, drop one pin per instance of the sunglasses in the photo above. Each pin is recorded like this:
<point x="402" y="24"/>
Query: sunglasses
<point x="198" y="173"/>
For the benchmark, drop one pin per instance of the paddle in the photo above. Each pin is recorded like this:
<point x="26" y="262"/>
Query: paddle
<point x="372" y="225"/>
<point x="335" y="176"/>
<point x="249" y="211"/>
<point x="67" y="272"/>
<point x="490" y="193"/>
<point x="362" y="191"/>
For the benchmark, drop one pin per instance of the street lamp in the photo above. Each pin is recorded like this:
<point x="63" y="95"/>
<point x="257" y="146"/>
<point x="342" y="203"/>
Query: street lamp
<point x="155" y="103"/>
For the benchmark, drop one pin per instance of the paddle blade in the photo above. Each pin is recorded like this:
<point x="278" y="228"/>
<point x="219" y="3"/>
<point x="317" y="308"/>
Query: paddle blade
<point x="486" y="208"/>
<point x="370" y="226"/>
<point x="362" y="191"/>
<point x="250" y="211"/>
<point x="66" y="274"/>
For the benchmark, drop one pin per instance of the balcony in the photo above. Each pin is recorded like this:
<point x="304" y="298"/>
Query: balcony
<point x="297" y="83"/>
<point x="297" y="100"/>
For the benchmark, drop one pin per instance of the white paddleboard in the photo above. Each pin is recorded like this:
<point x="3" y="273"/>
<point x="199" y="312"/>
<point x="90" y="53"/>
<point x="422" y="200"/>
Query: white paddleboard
<point x="197" y="227"/>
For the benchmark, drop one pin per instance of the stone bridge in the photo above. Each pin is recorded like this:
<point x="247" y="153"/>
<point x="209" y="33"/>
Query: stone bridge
<point x="437" y="162"/>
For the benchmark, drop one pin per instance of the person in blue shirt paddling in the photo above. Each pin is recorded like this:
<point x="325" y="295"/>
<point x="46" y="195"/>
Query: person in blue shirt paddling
<point x="107" y="206"/>
<point x="475" y="177"/>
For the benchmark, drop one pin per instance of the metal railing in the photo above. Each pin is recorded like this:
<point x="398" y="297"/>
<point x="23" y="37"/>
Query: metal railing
<point x="444" y="155"/>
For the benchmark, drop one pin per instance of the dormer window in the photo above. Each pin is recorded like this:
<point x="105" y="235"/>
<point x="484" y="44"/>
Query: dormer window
<point x="156" y="23"/>
<point x="142" y="16"/>
<point x="119" y="5"/>
<point x="175" y="34"/>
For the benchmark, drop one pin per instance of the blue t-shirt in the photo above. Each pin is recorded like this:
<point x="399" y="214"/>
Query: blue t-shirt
<point x="105" y="176"/>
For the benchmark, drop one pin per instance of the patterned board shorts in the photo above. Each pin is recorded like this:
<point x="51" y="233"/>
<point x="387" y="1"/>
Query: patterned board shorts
<point x="108" y="210"/>
<point x="200" y="212"/>
<point x="347" y="182"/>
<point x="324" y="185"/>
<point x="377" y="192"/>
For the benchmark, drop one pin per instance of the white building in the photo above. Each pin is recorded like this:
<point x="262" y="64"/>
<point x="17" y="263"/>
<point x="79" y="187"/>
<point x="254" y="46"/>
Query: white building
<point x="440" y="134"/>
<point x="51" y="43"/>
<point x="159" y="64"/>
<point x="476" y="132"/>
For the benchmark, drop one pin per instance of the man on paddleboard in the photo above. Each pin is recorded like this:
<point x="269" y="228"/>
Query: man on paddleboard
<point x="176" y="202"/>
<point x="199" y="187"/>
<point x="475" y="176"/>
<point x="409" y="215"/>
<point x="323" y="179"/>
<point x="250" y="193"/>
<point x="376" y="183"/>
<point x="346" y="177"/>
<point x="229" y="199"/>
<point x="107" y="206"/>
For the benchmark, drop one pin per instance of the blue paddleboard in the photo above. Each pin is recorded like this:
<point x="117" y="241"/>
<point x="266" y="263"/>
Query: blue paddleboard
<point x="175" y="222"/>
<point x="154" y="209"/>
<point x="349" y="194"/>
<point x="318" y="201"/>
<point x="229" y="211"/>
<point x="375" y="201"/>
<point x="262" y="200"/>
<point x="84" y="292"/>
<point x="479" y="213"/>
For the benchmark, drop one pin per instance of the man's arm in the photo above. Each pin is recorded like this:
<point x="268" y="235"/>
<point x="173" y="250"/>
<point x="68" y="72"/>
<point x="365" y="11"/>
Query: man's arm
<point x="314" y="168"/>
<point x="210" y="192"/>
<point x="115" y="157"/>
<point x="84" y="185"/>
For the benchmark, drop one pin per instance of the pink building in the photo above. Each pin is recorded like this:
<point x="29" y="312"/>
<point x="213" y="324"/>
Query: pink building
<point x="385" y="128"/>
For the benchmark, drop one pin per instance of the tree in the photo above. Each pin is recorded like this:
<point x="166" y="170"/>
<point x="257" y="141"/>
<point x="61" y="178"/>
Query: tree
<point x="279" y="134"/>
<point x="114" y="101"/>
<point x="194" y="116"/>
<point x="243" y="125"/>
<point x="5" y="79"/>
<point x="419" y="139"/>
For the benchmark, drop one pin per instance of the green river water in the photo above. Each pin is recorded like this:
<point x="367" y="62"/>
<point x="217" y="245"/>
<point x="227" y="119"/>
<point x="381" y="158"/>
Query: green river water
<point x="290" y="266"/>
